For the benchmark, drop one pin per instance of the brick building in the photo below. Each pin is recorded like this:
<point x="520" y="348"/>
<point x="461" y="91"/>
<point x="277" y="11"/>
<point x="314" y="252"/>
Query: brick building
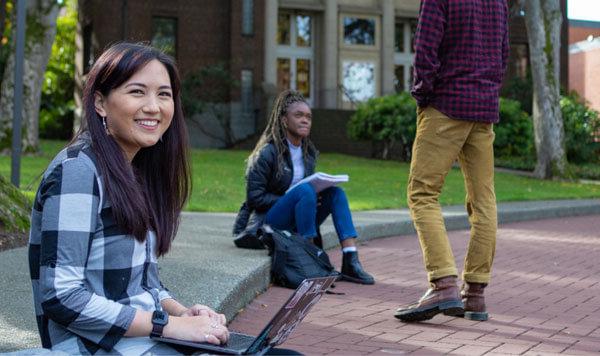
<point x="336" y="52"/>
<point x="584" y="60"/>
<point x="584" y="70"/>
<point x="197" y="33"/>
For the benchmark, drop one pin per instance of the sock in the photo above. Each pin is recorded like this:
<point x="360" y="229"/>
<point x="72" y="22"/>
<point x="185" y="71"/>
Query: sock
<point x="349" y="249"/>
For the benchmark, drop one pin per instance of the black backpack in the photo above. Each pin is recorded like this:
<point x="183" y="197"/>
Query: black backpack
<point x="294" y="258"/>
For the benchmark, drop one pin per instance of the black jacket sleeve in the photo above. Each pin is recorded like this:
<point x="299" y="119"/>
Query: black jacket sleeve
<point x="259" y="196"/>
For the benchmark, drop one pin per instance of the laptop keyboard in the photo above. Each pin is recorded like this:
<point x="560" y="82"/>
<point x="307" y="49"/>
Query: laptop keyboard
<point x="239" y="341"/>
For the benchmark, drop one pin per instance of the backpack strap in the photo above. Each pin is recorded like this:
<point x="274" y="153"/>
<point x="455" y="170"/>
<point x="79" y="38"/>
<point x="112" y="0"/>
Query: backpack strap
<point x="314" y="251"/>
<point x="278" y="263"/>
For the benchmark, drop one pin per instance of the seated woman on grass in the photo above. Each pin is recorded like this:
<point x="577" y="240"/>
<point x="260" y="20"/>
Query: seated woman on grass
<point x="107" y="207"/>
<point x="283" y="156"/>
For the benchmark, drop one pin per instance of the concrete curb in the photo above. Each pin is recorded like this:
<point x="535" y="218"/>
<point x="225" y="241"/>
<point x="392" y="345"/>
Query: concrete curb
<point x="205" y="267"/>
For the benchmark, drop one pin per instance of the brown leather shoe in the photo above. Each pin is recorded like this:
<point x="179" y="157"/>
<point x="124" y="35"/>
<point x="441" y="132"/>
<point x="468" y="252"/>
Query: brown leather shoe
<point x="442" y="297"/>
<point x="472" y="297"/>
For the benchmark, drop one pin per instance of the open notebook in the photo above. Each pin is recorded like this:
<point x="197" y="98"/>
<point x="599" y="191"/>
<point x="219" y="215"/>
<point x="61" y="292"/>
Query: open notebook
<point x="321" y="181"/>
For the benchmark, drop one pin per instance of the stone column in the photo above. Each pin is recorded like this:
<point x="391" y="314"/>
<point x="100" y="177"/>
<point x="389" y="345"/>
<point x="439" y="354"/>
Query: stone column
<point x="270" y="64"/>
<point x="387" y="46"/>
<point x="269" y="84"/>
<point x="330" y="55"/>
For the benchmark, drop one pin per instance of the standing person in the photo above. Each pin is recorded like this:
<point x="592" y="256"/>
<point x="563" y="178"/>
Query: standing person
<point x="107" y="207"/>
<point x="283" y="156"/>
<point x="461" y="50"/>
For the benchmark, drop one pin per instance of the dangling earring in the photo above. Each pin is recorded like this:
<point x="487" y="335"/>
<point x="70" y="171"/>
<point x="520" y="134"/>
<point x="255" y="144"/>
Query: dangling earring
<point x="160" y="139"/>
<point x="104" y="124"/>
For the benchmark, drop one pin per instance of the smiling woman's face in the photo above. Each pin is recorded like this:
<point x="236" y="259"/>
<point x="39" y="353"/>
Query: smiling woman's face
<point x="298" y="121"/>
<point x="140" y="110"/>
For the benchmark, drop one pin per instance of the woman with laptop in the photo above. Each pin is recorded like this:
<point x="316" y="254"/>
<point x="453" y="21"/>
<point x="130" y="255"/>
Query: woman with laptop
<point x="108" y="205"/>
<point x="283" y="156"/>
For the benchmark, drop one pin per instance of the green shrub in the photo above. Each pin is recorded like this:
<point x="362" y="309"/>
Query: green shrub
<point x="520" y="163"/>
<point x="514" y="145"/>
<point x="586" y="171"/>
<point x="389" y="121"/>
<point x="521" y="90"/>
<point x="514" y="132"/>
<point x="581" y="124"/>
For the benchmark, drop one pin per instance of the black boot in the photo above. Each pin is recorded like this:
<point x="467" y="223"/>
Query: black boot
<point x="352" y="270"/>
<point x="248" y="240"/>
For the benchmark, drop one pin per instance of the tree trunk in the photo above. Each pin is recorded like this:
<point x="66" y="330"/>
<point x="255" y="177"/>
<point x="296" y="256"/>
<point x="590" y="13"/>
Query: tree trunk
<point x="39" y="37"/>
<point x="387" y="149"/>
<point x="543" y="19"/>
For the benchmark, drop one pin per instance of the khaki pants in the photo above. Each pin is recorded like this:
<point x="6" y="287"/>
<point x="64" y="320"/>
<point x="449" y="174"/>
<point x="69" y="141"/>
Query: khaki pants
<point x="440" y="140"/>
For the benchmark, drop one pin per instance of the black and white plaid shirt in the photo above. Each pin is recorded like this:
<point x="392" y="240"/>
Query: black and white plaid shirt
<point x="88" y="276"/>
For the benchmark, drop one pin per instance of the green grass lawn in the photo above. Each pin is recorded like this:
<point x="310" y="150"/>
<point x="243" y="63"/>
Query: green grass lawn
<point x="32" y="166"/>
<point x="218" y="180"/>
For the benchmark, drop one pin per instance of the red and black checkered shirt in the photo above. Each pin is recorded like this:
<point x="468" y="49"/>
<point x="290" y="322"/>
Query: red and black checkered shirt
<point x="461" y="51"/>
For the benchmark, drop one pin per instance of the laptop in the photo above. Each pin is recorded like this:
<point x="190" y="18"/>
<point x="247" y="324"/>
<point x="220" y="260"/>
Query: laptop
<point x="276" y="331"/>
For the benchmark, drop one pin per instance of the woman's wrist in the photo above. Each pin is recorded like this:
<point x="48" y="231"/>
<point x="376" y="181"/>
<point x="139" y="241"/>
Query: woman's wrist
<point x="173" y="307"/>
<point x="171" y="328"/>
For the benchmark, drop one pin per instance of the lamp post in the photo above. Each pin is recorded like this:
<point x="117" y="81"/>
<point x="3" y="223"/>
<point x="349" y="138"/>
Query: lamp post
<point x="18" y="96"/>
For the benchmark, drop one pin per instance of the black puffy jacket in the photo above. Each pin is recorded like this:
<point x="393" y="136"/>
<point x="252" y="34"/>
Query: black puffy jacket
<point x="264" y="186"/>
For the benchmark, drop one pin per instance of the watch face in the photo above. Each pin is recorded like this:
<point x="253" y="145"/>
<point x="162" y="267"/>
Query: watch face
<point x="160" y="317"/>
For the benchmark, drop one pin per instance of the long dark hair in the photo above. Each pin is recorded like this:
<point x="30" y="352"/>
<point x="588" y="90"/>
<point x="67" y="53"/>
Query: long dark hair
<point x="149" y="193"/>
<point x="276" y="131"/>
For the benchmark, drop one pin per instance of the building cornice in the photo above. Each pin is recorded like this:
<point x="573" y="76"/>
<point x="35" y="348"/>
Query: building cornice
<point x="584" y="23"/>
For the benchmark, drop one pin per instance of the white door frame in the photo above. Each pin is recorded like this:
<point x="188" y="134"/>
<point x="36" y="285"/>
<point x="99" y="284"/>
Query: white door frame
<point x="294" y="52"/>
<point x="406" y="57"/>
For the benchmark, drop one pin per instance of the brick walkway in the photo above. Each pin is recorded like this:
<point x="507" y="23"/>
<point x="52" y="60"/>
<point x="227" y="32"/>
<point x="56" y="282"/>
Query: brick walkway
<point x="544" y="299"/>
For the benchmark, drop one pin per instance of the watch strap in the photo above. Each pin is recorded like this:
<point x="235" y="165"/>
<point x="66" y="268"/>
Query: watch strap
<point x="159" y="320"/>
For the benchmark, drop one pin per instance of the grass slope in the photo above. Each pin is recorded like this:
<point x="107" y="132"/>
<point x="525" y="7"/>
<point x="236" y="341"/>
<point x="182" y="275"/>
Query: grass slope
<point x="218" y="178"/>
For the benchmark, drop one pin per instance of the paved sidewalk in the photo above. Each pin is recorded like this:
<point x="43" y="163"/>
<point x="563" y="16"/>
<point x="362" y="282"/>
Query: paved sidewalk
<point x="544" y="298"/>
<point x="205" y="267"/>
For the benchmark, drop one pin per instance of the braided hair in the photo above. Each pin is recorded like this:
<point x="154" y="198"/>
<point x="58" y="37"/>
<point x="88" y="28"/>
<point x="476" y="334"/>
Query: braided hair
<point x="276" y="131"/>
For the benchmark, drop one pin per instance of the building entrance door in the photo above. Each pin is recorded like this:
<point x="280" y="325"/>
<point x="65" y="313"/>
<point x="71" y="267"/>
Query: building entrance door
<point x="295" y="53"/>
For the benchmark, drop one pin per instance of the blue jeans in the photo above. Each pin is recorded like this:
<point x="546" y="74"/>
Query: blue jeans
<point x="299" y="210"/>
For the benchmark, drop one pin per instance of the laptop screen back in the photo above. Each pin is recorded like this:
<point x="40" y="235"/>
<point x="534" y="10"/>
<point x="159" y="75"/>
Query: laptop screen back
<point x="291" y="313"/>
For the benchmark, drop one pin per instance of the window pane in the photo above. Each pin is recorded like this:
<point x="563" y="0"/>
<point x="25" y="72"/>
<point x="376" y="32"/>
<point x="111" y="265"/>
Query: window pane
<point x="283" y="29"/>
<point x="303" y="77"/>
<point x="358" y="80"/>
<point x="303" y="30"/>
<point x="164" y="34"/>
<point x="248" y="17"/>
<point x="399" y="37"/>
<point x="399" y="79"/>
<point x="283" y="74"/>
<point x="413" y="30"/>
<point x="359" y="31"/>
<point x="246" y="91"/>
